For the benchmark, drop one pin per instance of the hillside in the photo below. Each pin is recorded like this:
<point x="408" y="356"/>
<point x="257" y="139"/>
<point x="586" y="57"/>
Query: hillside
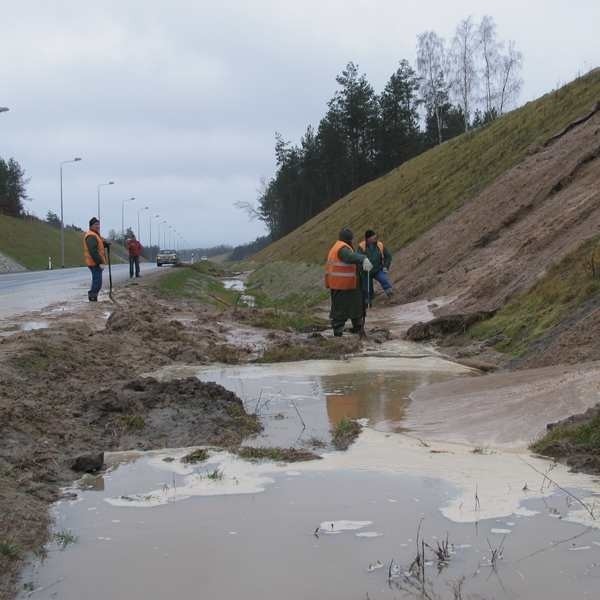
<point x="30" y="243"/>
<point x="409" y="200"/>
<point x="503" y="219"/>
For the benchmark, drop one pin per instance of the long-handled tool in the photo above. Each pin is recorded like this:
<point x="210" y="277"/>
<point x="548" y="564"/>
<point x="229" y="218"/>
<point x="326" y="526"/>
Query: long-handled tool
<point x="366" y="305"/>
<point x="110" y="286"/>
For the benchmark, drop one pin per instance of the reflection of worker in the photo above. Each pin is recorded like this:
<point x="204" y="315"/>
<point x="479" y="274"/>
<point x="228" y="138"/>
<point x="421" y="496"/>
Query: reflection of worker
<point x="95" y="256"/>
<point x="342" y="277"/>
<point x="381" y="259"/>
<point x="134" y="248"/>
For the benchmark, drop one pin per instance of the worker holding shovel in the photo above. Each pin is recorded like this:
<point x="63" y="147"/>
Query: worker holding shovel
<point x="95" y="249"/>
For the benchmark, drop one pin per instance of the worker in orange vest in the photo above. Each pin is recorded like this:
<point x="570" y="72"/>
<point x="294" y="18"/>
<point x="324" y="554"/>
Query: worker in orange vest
<point x="343" y="272"/>
<point x="94" y="246"/>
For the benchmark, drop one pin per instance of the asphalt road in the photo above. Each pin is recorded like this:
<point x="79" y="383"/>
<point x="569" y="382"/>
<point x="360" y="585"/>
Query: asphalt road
<point x="35" y="290"/>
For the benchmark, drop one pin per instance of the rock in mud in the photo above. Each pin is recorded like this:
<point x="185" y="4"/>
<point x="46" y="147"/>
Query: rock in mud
<point x="445" y="325"/>
<point x="88" y="463"/>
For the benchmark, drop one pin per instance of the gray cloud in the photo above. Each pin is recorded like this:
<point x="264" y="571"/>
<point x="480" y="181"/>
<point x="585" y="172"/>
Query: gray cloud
<point x="178" y="102"/>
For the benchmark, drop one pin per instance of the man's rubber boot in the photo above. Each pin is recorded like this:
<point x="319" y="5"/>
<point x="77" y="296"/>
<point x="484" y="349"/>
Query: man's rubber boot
<point x="92" y="297"/>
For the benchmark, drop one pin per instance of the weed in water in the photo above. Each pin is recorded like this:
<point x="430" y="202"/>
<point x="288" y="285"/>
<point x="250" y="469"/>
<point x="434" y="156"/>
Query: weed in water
<point x="196" y="456"/>
<point x="344" y="433"/>
<point x="276" y="454"/>
<point x="216" y="475"/>
<point x="64" y="538"/>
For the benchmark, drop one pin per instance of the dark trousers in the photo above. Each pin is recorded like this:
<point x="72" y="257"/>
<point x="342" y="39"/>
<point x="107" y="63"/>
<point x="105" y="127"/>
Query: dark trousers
<point x="134" y="260"/>
<point x="96" y="282"/>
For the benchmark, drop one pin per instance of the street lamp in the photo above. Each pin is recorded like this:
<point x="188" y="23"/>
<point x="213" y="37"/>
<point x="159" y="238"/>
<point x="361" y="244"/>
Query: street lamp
<point x="123" y="215"/>
<point x="140" y="211"/>
<point x="4" y="109"/>
<point x="164" y="222"/>
<point x="99" y="186"/>
<point x="62" y="221"/>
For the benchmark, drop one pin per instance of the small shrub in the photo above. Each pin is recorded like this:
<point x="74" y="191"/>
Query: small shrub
<point x="344" y="433"/>
<point x="64" y="538"/>
<point x="196" y="456"/>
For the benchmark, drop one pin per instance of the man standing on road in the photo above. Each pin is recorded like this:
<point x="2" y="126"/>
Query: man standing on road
<point x="94" y="246"/>
<point x="134" y="248"/>
<point x="381" y="259"/>
<point x="342" y="277"/>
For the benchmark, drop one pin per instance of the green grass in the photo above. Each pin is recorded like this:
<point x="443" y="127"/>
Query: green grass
<point x="10" y="550"/>
<point x="584" y="438"/>
<point x="133" y="422"/>
<point x="199" y="282"/>
<point x="196" y="456"/>
<point x="528" y="316"/>
<point x="64" y="538"/>
<point x="344" y="433"/>
<point x="30" y="243"/>
<point x="409" y="200"/>
<point x="275" y="454"/>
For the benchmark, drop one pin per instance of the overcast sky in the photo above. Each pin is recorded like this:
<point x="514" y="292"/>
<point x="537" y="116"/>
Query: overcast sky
<point x="178" y="101"/>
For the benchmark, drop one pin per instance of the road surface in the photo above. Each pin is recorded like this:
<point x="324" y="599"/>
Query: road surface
<point x="34" y="290"/>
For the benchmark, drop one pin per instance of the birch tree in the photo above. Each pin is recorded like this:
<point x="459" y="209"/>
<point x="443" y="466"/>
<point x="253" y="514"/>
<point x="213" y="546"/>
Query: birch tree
<point x="432" y="67"/>
<point x="510" y="82"/>
<point x="464" y="69"/>
<point x="491" y="63"/>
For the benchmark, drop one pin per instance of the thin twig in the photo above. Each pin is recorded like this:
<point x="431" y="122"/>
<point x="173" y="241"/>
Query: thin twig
<point x="562" y="489"/>
<point x="298" y="413"/>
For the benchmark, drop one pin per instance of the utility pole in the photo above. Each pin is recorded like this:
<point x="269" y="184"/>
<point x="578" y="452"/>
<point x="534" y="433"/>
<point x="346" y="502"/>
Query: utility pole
<point x="62" y="220"/>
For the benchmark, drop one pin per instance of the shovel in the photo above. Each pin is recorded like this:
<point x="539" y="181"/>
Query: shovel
<point x="366" y="304"/>
<point x="110" y="286"/>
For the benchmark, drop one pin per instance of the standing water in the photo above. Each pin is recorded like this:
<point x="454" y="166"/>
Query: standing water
<point x="342" y="527"/>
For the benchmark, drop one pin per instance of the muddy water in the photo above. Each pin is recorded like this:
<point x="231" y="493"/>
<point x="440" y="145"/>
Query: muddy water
<point x="263" y="545"/>
<point x="232" y="529"/>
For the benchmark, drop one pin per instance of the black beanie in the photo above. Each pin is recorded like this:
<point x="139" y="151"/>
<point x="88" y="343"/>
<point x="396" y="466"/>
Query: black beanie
<point x="94" y="220"/>
<point x="346" y="235"/>
<point x="369" y="233"/>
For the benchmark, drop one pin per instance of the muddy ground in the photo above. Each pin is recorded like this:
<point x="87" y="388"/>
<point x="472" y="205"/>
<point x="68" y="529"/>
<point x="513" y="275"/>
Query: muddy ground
<point x="75" y="388"/>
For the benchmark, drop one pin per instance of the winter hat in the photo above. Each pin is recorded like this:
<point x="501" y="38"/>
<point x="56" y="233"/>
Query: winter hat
<point x="94" y="220"/>
<point x="346" y="235"/>
<point x="369" y="233"/>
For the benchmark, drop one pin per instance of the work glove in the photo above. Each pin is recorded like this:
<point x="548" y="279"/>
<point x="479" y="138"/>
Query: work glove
<point x="367" y="265"/>
<point x="385" y="270"/>
<point x="102" y="265"/>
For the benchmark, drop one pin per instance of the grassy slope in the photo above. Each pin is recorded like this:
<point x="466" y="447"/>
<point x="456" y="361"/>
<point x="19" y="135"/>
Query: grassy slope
<point x="30" y="243"/>
<point x="528" y="316"/>
<point x="410" y="199"/>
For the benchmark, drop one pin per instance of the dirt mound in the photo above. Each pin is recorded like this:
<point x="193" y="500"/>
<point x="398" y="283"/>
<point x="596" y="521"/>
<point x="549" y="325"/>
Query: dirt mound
<point x="575" y="441"/>
<point x="441" y="326"/>
<point x="502" y="240"/>
<point x="149" y="413"/>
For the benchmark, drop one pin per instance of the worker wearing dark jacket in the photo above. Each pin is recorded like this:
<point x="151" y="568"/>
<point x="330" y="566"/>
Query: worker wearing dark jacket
<point x="381" y="260"/>
<point x="343" y="277"/>
<point x="94" y="251"/>
<point x="134" y="249"/>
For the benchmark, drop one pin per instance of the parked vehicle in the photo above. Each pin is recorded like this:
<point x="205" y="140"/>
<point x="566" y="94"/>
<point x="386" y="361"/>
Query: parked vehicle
<point x="166" y="257"/>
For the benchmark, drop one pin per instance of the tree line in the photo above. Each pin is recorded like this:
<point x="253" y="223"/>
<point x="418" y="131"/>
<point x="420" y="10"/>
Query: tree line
<point x="12" y="188"/>
<point x="454" y="86"/>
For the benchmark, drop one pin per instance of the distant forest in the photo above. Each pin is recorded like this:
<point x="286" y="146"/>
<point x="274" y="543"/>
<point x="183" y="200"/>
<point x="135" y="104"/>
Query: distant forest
<point x="453" y="87"/>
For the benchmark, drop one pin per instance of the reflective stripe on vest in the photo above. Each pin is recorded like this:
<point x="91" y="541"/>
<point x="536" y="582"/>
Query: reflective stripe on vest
<point x="89" y="261"/>
<point x="338" y="274"/>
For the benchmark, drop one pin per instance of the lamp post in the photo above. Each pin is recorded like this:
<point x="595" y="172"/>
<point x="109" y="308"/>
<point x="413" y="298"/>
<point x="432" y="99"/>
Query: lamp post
<point x="123" y="215"/>
<point x="4" y="109"/>
<point x="141" y="210"/>
<point x="62" y="221"/>
<point x="158" y="217"/>
<point x="164" y="222"/>
<point x="99" y="186"/>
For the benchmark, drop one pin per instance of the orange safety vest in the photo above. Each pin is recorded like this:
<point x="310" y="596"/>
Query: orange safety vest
<point x="89" y="261"/>
<point x="340" y="275"/>
<point x="363" y="247"/>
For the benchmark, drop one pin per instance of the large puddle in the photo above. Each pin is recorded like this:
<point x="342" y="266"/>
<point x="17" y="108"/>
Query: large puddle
<point x="338" y="528"/>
